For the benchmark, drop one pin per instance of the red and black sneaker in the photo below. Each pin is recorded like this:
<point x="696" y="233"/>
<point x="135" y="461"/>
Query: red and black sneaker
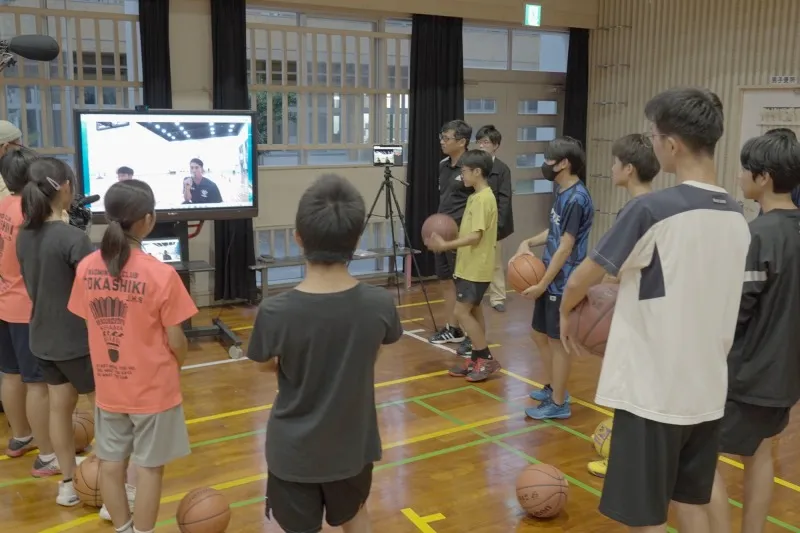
<point x="462" y="368"/>
<point x="482" y="369"/>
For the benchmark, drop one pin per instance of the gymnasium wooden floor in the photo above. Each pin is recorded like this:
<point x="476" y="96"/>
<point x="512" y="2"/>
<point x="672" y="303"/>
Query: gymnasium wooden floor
<point x="452" y="451"/>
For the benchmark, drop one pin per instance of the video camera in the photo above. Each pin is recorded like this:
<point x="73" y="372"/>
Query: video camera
<point x="79" y="215"/>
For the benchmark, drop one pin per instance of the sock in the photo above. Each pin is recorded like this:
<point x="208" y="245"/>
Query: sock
<point x="67" y="480"/>
<point x="47" y="458"/>
<point x="481" y="354"/>
<point x="139" y="531"/>
<point x="24" y="440"/>
<point x="127" y="528"/>
<point x="547" y="388"/>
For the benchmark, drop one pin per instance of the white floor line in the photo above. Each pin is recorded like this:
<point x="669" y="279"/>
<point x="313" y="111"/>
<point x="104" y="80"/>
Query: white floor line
<point x="214" y="363"/>
<point x="414" y="331"/>
<point x="414" y="335"/>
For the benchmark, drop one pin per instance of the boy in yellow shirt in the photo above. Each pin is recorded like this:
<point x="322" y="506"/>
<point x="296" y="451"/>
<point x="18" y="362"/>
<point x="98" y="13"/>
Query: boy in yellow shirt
<point x="475" y="256"/>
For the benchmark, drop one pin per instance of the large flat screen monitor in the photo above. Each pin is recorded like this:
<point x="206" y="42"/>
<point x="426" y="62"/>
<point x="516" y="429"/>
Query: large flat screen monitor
<point x="201" y="165"/>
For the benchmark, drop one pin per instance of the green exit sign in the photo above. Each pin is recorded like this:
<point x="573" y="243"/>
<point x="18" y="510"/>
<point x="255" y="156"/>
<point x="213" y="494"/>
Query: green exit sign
<point x="533" y="15"/>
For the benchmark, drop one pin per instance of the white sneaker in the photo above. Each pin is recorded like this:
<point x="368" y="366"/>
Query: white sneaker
<point x="131" y="492"/>
<point x="67" y="497"/>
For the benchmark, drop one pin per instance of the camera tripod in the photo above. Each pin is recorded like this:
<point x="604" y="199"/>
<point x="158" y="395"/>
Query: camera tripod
<point x="393" y="211"/>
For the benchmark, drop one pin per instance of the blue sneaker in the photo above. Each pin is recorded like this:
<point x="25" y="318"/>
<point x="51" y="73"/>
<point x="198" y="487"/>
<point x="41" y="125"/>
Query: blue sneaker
<point x="548" y="410"/>
<point x="545" y="394"/>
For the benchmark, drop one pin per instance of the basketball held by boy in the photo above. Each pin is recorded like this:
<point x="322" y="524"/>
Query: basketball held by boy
<point x="24" y="391"/>
<point x="135" y="307"/>
<point x="764" y="362"/>
<point x="566" y="242"/>
<point x="475" y="261"/>
<point x="49" y="251"/>
<point x="323" y="339"/>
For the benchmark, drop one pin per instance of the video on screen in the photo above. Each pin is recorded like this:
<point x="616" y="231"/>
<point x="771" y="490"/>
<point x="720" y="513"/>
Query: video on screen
<point x="387" y="155"/>
<point x="165" y="250"/>
<point x="191" y="161"/>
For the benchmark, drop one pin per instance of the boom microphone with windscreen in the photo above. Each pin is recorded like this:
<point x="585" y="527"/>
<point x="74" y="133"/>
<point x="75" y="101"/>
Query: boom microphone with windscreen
<point x="31" y="47"/>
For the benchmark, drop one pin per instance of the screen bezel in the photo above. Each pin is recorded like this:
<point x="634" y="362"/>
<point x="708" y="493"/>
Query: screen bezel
<point x="176" y="215"/>
<point x="161" y="239"/>
<point x="393" y="147"/>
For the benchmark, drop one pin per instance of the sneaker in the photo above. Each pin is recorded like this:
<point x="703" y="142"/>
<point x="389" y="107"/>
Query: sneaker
<point x="67" y="497"/>
<point x="548" y="410"/>
<point x="465" y="348"/>
<point x="447" y="334"/>
<point x="462" y="369"/>
<point x="598" y="468"/>
<point x="500" y="308"/>
<point x="18" y="448"/>
<point x="131" y="492"/>
<point x="45" y="469"/>
<point x="482" y="369"/>
<point x="545" y="394"/>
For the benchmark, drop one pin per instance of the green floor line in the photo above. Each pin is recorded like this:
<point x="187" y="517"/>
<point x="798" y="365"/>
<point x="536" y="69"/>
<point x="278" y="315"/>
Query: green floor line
<point x="246" y="434"/>
<point x="408" y="460"/>
<point x="770" y="519"/>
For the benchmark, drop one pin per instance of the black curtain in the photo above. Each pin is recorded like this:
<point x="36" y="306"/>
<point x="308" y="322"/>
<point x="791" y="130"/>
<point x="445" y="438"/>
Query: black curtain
<point x="576" y="92"/>
<point x="233" y="239"/>
<point x="436" y="96"/>
<point x="154" y="36"/>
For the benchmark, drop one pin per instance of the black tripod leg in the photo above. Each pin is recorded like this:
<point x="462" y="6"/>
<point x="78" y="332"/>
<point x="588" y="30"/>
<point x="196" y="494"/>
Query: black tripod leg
<point x="410" y="248"/>
<point x="390" y="217"/>
<point x="371" y="210"/>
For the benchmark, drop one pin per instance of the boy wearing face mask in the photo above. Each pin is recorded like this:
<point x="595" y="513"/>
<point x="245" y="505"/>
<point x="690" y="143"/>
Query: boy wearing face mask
<point x="566" y="240"/>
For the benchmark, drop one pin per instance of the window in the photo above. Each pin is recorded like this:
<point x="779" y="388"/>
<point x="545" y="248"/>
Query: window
<point x="533" y="187"/>
<point x="99" y="68"/>
<point x="530" y="160"/>
<point x="326" y="89"/>
<point x="537" y="107"/>
<point x="485" y="48"/>
<point x="536" y="133"/>
<point x="480" y="106"/>
<point x="523" y="50"/>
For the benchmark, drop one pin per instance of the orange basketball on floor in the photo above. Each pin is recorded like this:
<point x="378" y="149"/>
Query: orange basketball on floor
<point x="204" y="511"/>
<point x="83" y="426"/>
<point x="542" y="490"/>
<point x="590" y="322"/>
<point x="87" y="482"/>
<point x="444" y="225"/>
<point x="525" y="271"/>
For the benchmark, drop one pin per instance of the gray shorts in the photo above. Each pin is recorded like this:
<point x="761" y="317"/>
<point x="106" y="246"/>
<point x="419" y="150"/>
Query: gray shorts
<point x="150" y="441"/>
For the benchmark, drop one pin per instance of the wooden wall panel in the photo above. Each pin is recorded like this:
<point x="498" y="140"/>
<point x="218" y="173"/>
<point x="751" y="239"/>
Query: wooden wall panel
<point x="642" y="47"/>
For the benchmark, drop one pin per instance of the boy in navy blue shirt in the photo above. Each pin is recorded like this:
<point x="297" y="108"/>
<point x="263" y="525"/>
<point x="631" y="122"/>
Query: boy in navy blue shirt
<point x="567" y="241"/>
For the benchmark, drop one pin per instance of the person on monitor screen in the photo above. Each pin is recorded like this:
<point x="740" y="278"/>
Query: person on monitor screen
<point x="197" y="189"/>
<point x="124" y="173"/>
<point x="166" y="256"/>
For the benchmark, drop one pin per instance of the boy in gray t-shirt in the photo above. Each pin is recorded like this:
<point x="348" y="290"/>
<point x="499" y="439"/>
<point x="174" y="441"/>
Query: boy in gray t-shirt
<point x="323" y="338"/>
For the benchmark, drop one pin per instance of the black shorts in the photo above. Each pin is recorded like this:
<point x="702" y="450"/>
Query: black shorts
<point x="745" y="426"/>
<point x="299" y="507"/>
<point x="547" y="315"/>
<point x="652" y="463"/>
<point x="445" y="263"/>
<point x="15" y="353"/>
<point x="77" y="372"/>
<point x="470" y="292"/>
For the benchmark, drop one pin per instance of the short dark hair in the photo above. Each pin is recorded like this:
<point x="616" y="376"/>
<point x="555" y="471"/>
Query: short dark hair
<point x="126" y="203"/>
<point x="637" y="150"/>
<point x="782" y="131"/>
<point x="460" y="129"/>
<point x="776" y="155"/>
<point x="695" y="116"/>
<point x="14" y="167"/>
<point x="567" y="148"/>
<point x="46" y="176"/>
<point x="198" y="162"/>
<point x="330" y="220"/>
<point x="125" y="170"/>
<point x="491" y="133"/>
<point x="478" y="159"/>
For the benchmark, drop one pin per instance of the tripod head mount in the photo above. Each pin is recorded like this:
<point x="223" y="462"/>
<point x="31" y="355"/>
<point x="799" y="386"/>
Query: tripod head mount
<point x="388" y="176"/>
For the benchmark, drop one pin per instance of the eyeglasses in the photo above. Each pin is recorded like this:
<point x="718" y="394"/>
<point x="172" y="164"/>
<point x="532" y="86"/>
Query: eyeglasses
<point x="446" y="138"/>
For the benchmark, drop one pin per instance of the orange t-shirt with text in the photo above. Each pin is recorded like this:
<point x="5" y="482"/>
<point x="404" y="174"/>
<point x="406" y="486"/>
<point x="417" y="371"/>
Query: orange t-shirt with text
<point x="135" y="371"/>
<point x="15" y="304"/>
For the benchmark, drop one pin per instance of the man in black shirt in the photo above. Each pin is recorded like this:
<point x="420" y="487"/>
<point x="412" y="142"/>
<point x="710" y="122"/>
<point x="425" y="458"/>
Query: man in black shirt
<point x="197" y="189"/>
<point x="124" y="173"/>
<point x="764" y="361"/>
<point x="454" y="139"/>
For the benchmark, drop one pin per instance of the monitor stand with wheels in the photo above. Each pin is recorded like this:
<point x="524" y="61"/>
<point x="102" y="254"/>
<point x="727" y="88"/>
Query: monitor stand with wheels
<point x="185" y="268"/>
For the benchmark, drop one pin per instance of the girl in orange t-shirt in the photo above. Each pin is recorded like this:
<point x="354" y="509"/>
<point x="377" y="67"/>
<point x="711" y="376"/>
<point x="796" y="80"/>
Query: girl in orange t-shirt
<point x="24" y="392"/>
<point x="134" y="306"/>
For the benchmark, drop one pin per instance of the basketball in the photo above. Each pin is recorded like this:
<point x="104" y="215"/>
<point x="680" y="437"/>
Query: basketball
<point x="542" y="490"/>
<point x="590" y="322"/>
<point x="87" y="482"/>
<point x="83" y="426"/>
<point x="204" y="511"/>
<point x="525" y="271"/>
<point x="444" y="225"/>
<point x="602" y="438"/>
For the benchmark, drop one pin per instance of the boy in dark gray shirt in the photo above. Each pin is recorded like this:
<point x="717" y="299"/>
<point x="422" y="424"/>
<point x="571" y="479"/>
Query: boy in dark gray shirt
<point x="323" y="338"/>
